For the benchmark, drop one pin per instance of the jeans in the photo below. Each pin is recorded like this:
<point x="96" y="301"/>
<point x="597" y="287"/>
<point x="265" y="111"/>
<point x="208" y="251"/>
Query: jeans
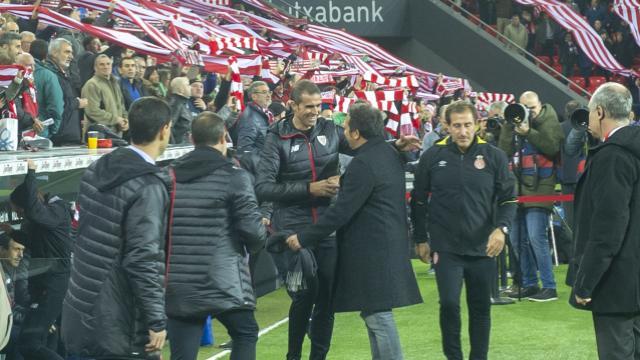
<point x="478" y="274"/>
<point x="314" y="302"/>
<point x="383" y="335"/>
<point x="185" y="335"/>
<point x="530" y="240"/>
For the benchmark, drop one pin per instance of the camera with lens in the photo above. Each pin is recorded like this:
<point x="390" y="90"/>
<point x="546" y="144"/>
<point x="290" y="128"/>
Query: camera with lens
<point x="516" y="114"/>
<point x="494" y="123"/>
<point x="580" y="119"/>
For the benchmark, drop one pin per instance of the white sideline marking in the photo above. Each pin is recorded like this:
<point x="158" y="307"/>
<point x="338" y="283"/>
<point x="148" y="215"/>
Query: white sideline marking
<point x="262" y="332"/>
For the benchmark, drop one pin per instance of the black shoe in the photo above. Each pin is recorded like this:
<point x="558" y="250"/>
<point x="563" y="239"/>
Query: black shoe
<point x="545" y="295"/>
<point x="502" y="301"/>
<point x="226" y="346"/>
<point x="524" y="293"/>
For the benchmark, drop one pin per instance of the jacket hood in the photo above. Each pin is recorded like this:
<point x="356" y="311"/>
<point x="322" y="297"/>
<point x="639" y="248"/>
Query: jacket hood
<point x="627" y="137"/>
<point x="203" y="160"/>
<point x="120" y="166"/>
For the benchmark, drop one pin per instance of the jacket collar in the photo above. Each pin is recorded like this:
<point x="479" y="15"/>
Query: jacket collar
<point x="447" y="141"/>
<point x="370" y="144"/>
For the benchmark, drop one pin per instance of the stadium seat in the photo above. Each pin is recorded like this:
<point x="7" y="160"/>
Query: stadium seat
<point x="596" y="81"/>
<point x="544" y="59"/>
<point x="579" y="80"/>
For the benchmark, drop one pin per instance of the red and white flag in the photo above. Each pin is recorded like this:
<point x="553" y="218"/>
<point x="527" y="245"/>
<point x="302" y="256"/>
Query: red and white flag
<point x="236" y="89"/>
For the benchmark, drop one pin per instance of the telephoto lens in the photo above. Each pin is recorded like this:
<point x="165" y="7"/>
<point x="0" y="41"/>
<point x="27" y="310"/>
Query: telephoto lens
<point x="516" y="114"/>
<point x="580" y="119"/>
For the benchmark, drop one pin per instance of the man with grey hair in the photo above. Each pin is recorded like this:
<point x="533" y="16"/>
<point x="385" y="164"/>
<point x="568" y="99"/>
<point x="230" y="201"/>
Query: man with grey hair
<point x="26" y="38"/>
<point x="181" y="116"/>
<point x="255" y="119"/>
<point x="607" y="235"/>
<point x="69" y="131"/>
<point x="106" y="103"/>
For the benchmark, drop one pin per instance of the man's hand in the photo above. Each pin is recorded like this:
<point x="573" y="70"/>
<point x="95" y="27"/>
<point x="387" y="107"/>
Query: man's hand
<point x="156" y="341"/>
<point x="266" y="221"/>
<point x="408" y="143"/>
<point x="37" y="126"/>
<point x="82" y="103"/>
<point x="123" y="124"/>
<point x="495" y="243"/>
<point x="522" y="129"/>
<point x="582" y="301"/>
<point x="31" y="165"/>
<point x="293" y="243"/>
<point x="424" y="252"/>
<point x="199" y="103"/>
<point x="324" y="188"/>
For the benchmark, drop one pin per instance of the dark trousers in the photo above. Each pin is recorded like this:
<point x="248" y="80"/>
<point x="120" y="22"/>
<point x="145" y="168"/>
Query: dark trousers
<point x="477" y="273"/>
<point x="314" y="302"/>
<point x="617" y="336"/>
<point x="35" y="333"/>
<point x="185" y="335"/>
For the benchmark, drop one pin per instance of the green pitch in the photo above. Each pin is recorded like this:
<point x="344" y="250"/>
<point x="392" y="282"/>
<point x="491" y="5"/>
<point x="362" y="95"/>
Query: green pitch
<point x="522" y="331"/>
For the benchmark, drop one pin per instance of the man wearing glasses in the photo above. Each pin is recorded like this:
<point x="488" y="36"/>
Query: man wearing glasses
<point x="255" y="119"/>
<point x="533" y="147"/>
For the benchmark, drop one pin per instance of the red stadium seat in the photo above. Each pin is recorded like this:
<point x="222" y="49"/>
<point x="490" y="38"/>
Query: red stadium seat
<point x="597" y="81"/>
<point x="579" y="80"/>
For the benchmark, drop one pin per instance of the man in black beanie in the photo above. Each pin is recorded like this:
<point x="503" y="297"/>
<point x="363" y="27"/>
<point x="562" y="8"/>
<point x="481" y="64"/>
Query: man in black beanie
<point x="47" y="223"/>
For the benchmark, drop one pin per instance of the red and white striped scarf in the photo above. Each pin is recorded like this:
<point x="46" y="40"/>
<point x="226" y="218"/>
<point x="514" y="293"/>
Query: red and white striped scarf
<point x="236" y="88"/>
<point x="219" y="44"/>
<point x="386" y="95"/>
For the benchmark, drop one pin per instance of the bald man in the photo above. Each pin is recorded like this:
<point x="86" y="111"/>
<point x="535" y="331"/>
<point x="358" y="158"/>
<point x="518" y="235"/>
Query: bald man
<point x="26" y="106"/>
<point x="533" y="147"/>
<point x="181" y="116"/>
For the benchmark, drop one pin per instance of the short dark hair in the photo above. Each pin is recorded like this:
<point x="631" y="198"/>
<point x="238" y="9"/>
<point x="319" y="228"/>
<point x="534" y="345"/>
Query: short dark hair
<point x="366" y="119"/>
<point x="126" y="59"/>
<point x="18" y="236"/>
<point x="459" y="107"/>
<point x="147" y="116"/>
<point x="87" y="41"/>
<point x="149" y="71"/>
<point x="303" y="87"/>
<point x="39" y="49"/>
<point x="207" y="129"/>
<point x="7" y="37"/>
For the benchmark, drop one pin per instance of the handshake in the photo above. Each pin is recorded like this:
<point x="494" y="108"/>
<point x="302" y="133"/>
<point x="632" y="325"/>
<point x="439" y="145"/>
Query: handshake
<point x="325" y="188"/>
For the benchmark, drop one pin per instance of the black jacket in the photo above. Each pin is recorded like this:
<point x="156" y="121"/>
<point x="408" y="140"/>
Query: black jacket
<point x="374" y="268"/>
<point x="216" y="221"/>
<point x="181" y="119"/>
<point x="289" y="162"/>
<point x="252" y="128"/>
<point x="128" y="99"/>
<point x="70" y="130"/>
<point x="606" y="234"/>
<point x="116" y="290"/>
<point x="455" y="196"/>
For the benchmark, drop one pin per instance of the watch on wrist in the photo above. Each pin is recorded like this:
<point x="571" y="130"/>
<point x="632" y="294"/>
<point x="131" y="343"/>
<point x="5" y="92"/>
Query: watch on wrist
<point x="504" y="229"/>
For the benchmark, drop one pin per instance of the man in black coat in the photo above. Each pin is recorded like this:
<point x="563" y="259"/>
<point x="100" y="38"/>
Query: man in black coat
<point x="374" y="273"/>
<point x="181" y="116"/>
<point x="215" y="223"/>
<point x="115" y="307"/>
<point x="607" y="235"/>
<point x="255" y="119"/>
<point x="47" y="222"/>
<point x="460" y="182"/>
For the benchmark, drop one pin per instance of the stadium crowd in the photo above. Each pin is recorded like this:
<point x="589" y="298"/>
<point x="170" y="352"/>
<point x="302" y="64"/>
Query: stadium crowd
<point x="157" y="250"/>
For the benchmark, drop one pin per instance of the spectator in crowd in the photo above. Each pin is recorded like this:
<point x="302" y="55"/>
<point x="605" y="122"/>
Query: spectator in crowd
<point x="596" y="11"/>
<point x="10" y="41"/>
<point x="130" y="85"/>
<point x="70" y="129"/>
<point x="516" y="32"/>
<point x="86" y="61"/>
<point x="105" y="100"/>
<point x="180" y="115"/>
<point x="278" y="110"/>
<point x="141" y="66"/>
<point x="255" y="119"/>
<point x="504" y="11"/>
<point x="26" y="107"/>
<point x="536" y="144"/>
<point x="26" y="38"/>
<point x="226" y="224"/>
<point x="115" y="306"/>
<point x="545" y="37"/>
<point x="49" y="92"/>
<point x="13" y="244"/>
<point x="152" y="84"/>
<point x="622" y="50"/>
<point x="528" y="22"/>
<point x="440" y="131"/>
<point x="464" y="222"/>
<point x="196" y="103"/>
<point x="607" y="237"/>
<point x="374" y="272"/>
<point x="10" y="27"/>
<point x="568" y="55"/>
<point x="585" y="66"/>
<point x="47" y="222"/>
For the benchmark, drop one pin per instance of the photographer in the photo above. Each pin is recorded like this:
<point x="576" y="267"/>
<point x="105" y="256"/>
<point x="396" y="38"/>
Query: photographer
<point x="490" y="126"/>
<point x="573" y="157"/>
<point x="533" y="140"/>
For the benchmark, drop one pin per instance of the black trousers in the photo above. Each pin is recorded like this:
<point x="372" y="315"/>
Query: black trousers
<point x="314" y="302"/>
<point x="617" y="336"/>
<point x="478" y="273"/>
<point x="185" y="335"/>
<point x="34" y="338"/>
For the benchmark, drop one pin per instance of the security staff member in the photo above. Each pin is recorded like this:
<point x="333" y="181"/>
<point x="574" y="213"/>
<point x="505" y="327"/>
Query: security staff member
<point x="465" y="177"/>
